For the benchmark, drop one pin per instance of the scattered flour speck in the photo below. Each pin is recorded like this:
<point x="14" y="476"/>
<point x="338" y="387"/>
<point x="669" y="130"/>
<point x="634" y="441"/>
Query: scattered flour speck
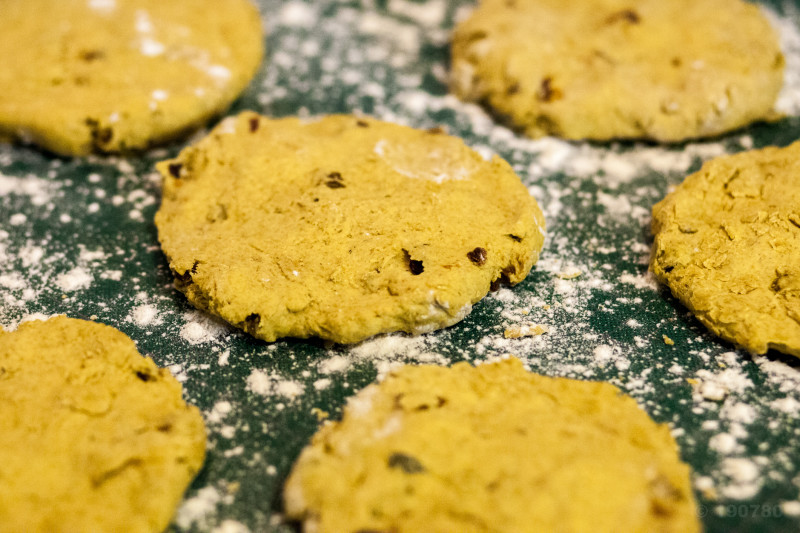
<point x="270" y="383"/>
<point x="76" y="279"/>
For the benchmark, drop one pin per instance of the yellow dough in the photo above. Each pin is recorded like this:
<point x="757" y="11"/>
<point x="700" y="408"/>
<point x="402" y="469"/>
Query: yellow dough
<point x="604" y="69"/>
<point x="727" y="243"/>
<point x="491" y="449"/>
<point x="341" y="228"/>
<point x="82" y="76"/>
<point x="94" y="437"/>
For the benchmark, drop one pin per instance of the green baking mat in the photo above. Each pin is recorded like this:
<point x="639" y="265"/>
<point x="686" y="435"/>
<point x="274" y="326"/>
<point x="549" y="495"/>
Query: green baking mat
<point x="77" y="237"/>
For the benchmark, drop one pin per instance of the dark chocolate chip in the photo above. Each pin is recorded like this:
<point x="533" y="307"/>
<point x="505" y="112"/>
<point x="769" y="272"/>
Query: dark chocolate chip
<point x="477" y="256"/>
<point x="194" y="267"/>
<point x="626" y="15"/>
<point x="254" y="123"/>
<point x="516" y="238"/>
<point x="100" y="135"/>
<point x="776" y="285"/>
<point x="669" y="269"/>
<point x="251" y="323"/>
<point x="548" y="93"/>
<point x="185" y="278"/>
<point x="144" y="376"/>
<point x="362" y="123"/>
<point x="175" y="169"/>
<point x="165" y="428"/>
<point x="504" y="278"/>
<point x="414" y="266"/>
<point x="92" y="55"/>
<point x="334" y="184"/>
<point x="406" y="463"/>
<point x="335" y="176"/>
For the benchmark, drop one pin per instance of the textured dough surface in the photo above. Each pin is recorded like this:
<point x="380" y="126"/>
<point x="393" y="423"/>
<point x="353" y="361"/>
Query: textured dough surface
<point x="85" y="76"/>
<point x="94" y="437"/>
<point x="341" y="228"/>
<point x="603" y="69"/>
<point x="491" y="448"/>
<point x="727" y="243"/>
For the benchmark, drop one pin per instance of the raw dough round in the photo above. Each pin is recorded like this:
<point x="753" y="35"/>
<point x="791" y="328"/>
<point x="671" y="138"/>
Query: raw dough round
<point x="491" y="448"/>
<point x="603" y="69"/>
<point x="84" y="76"/>
<point x="727" y="243"/>
<point x="94" y="437"/>
<point x="341" y="228"/>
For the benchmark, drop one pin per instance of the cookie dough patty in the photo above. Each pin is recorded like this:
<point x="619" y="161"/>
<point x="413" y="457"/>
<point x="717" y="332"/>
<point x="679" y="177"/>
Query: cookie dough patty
<point x="84" y="76"/>
<point x="603" y="69"/>
<point x="490" y="448"/>
<point x="94" y="437"/>
<point x="342" y="227"/>
<point x="727" y="244"/>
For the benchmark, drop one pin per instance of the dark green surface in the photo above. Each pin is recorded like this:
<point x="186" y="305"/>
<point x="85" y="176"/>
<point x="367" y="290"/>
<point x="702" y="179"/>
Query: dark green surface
<point x="353" y="70"/>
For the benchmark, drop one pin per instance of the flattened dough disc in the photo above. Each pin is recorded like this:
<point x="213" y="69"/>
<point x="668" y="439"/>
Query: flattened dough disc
<point x="343" y="227"/>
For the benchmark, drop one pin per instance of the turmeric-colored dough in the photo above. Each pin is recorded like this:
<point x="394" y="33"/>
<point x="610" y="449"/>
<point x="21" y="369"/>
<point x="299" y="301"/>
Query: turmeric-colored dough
<point x="341" y="228"/>
<point x="727" y="243"/>
<point x="81" y="76"/>
<point x="491" y="449"/>
<point x="604" y="69"/>
<point x="93" y="436"/>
